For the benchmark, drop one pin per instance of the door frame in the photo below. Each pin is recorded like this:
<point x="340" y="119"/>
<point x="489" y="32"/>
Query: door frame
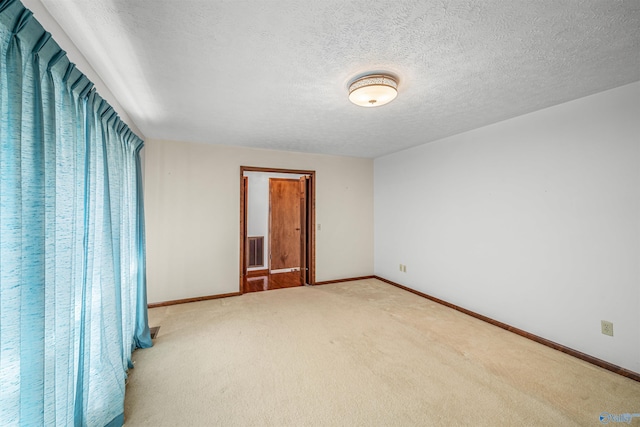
<point x="311" y="219"/>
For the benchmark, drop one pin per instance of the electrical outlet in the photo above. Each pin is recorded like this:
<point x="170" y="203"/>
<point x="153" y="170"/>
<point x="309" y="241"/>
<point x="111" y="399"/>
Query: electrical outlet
<point x="400" y="267"/>
<point x="404" y="268"/>
<point x="607" y="328"/>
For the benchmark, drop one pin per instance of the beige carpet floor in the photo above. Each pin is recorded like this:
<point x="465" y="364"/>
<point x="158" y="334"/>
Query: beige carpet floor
<point x="357" y="354"/>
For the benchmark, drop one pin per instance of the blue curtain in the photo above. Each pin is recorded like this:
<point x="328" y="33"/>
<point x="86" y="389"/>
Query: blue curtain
<point x="72" y="258"/>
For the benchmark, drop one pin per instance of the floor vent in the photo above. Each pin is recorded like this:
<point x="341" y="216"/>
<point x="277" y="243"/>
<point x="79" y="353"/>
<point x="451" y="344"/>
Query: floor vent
<point x="154" y="332"/>
<point x="256" y="251"/>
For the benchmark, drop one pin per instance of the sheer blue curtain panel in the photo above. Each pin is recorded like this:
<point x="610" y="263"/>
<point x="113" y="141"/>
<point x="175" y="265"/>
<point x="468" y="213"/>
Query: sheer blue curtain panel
<point x="72" y="257"/>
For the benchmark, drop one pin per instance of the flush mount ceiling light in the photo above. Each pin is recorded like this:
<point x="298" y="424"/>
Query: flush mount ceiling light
<point x="373" y="90"/>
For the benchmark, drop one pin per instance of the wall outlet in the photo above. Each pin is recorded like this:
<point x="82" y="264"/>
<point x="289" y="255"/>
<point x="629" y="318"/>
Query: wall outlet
<point x="403" y="268"/>
<point x="607" y="328"/>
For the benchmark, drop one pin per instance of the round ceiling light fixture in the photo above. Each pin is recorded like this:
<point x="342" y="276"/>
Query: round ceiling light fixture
<point x="373" y="90"/>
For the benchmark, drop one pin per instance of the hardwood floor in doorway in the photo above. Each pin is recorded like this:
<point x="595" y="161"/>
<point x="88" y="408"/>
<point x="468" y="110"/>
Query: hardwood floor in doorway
<point x="257" y="281"/>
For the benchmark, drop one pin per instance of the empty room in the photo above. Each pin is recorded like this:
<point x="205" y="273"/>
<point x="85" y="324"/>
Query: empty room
<point x="336" y="213"/>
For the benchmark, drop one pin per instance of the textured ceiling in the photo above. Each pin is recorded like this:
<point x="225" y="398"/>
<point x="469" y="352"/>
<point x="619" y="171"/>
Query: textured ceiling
<point x="274" y="74"/>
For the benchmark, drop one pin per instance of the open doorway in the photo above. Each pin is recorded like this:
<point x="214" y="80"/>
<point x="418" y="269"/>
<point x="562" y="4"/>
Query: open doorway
<point x="277" y="228"/>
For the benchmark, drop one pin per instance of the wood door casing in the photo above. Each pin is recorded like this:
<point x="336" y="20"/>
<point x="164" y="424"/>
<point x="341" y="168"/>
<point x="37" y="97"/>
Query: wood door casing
<point x="244" y="194"/>
<point x="304" y="229"/>
<point x="284" y="223"/>
<point x="311" y="220"/>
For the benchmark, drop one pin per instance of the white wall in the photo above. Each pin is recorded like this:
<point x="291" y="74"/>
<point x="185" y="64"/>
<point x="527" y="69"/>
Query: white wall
<point x="534" y="221"/>
<point x="258" y="208"/>
<point x="192" y="207"/>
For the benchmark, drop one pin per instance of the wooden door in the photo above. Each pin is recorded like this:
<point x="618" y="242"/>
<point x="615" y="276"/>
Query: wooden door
<point x="304" y="230"/>
<point x="284" y="224"/>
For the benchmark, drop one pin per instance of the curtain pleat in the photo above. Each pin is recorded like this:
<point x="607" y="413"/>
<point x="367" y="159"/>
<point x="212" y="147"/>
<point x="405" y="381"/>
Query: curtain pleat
<point x="72" y="257"/>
